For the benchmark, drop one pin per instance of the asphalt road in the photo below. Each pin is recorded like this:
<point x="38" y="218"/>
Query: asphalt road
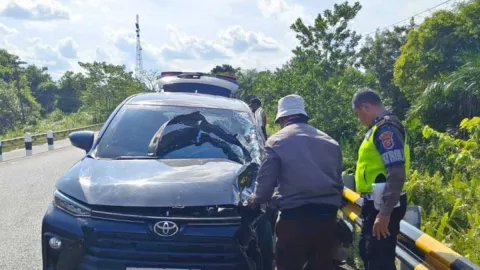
<point x="26" y="188"/>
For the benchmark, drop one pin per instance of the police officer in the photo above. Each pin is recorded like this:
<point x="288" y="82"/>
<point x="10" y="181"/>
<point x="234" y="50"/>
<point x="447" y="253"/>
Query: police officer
<point x="301" y="176"/>
<point x="260" y="116"/>
<point x="383" y="157"/>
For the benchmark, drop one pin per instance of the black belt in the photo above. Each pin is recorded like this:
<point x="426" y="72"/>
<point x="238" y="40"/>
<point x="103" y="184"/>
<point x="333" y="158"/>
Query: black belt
<point x="369" y="196"/>
<point x="309" y="211"/>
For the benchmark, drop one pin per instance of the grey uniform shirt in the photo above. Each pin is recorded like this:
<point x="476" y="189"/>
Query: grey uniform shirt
<point x="389" y="140"/>
<point x="304" y="165"/>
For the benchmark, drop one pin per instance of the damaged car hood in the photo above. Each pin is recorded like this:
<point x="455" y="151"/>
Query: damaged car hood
<point x="158" y="183"/>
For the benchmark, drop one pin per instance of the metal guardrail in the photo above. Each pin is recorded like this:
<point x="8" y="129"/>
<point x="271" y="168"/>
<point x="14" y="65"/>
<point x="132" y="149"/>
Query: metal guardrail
<point x="28" y="140"/>
<point x="415" y="248"/>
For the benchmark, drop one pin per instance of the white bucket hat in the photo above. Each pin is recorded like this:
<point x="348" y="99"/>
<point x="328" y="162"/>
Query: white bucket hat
<point x="290" y="105"/>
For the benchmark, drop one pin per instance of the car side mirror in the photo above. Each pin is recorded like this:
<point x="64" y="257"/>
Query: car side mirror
<point x="82" y="139"/>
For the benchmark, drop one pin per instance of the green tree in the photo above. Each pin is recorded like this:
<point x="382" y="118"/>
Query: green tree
<point x="15" y="76"/>
<point x="328" y="43"/>
<point x="224" y="69"/>
<point x="6" y="67"/>
<point x="106" y="86"/>
<point x="246" y="79"/>
<point x="71" y="85"/>
<point x="435" y="49"/>
<point x="9" y="107"/>
<point x="321" y="71"/>
<point x="453" y="98"/>
<point x="378" y="56"/>
<point x="42" y="87"/>
<point x="31" y="108"/>
<point x="149" y="79"/>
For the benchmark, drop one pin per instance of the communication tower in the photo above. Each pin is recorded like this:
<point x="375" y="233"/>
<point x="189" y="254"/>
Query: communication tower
<point x="139" y="63"/>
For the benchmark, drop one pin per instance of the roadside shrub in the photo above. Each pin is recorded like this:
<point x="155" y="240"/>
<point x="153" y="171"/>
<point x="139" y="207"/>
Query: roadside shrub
<point x="450" y="197"/>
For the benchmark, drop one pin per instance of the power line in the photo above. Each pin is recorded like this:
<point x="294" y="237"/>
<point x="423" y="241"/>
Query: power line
<point x="413" y="16"/>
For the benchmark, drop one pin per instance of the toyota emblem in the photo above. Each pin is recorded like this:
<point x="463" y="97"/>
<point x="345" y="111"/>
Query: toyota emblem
<point x="165" y="228"/>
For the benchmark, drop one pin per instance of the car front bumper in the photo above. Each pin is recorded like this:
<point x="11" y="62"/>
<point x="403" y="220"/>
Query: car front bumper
<point x="101" y="243"/>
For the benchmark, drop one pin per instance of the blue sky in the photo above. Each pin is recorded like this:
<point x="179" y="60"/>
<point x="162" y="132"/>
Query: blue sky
<point x="186" y="35"/>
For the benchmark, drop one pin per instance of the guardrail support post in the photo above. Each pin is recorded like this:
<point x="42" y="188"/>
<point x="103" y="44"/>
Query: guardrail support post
<point x="414" y="217"/>
<point x="28" y="144"/>
<point x="50" y="136"/>
<point x="1" y="151"/>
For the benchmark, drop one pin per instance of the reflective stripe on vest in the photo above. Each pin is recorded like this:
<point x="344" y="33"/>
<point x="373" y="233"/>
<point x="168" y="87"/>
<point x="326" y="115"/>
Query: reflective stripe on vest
<point x="370" y="163"/>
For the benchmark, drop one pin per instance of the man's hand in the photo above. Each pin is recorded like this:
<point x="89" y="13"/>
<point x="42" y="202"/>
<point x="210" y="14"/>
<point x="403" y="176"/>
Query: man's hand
<point x="380" y="227"/>
<point x="251" y="201"/>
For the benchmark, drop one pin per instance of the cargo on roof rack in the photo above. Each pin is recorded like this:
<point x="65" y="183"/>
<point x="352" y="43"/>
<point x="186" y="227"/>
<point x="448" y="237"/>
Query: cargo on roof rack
<point x="198" y="82"/>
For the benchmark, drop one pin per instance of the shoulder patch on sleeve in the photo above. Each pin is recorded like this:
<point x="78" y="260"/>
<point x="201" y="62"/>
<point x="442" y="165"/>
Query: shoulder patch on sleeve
<point x="387" y="140"/>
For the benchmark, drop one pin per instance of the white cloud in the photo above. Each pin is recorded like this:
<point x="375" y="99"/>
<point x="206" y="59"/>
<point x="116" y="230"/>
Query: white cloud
<point x="237" y="46"/>
<point x="240" y="40"/>
<point x="271" y="7"/>
<point x="99" y="54"/>
<point x="121" y="49"/>
<point x="6" y="31"/>
<point x="5" y="34"/>
<point x="68" y="48"/>
<point x="231" y="41"/>
<point x="282" y="10"/>
<point x="103" y="56"/>
<point x="187" y="47"/>
<point x="33" y="40"/>
<point x="36" y="51"/>
<point x="40" y="10"/>
<point x="47" y="55"/>
<point x="181" y="51"/>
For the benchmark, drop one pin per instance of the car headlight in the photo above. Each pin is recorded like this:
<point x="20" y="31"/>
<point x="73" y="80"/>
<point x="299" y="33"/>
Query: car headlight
<point x="70" y="206"/>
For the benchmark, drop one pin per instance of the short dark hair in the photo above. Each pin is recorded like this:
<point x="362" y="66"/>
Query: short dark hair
<point x="366" y="96"/>
<point x="255" y="101"/>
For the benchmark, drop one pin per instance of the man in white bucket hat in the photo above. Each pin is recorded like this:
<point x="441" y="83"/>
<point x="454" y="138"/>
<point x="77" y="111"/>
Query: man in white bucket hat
<point x="305" y="166"/>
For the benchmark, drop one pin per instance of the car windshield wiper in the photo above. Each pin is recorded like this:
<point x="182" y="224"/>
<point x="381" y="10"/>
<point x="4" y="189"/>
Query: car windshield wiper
<point x="136" y="157"/>
<point x="90" y="156"/>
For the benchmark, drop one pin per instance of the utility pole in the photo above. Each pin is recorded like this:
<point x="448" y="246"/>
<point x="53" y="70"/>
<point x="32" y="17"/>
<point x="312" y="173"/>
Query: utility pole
<point x="139" y="62"/>
<point x="16" y="63"/>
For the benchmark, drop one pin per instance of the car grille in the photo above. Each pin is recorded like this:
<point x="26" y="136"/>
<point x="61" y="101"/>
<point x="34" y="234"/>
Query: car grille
<point x="121" y="250"/>
<point x="205" y="212"/>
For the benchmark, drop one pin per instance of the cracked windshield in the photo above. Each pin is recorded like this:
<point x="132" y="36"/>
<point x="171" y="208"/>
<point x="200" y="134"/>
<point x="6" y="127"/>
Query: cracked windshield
<point x="134" y="127"/>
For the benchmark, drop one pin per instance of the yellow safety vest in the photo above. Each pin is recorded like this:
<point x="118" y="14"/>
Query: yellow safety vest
<point x="370" y="163"/>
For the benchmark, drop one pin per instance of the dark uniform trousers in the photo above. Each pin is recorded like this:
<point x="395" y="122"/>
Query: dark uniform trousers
<point x="380" y="254"/>
<point x="264" y="131"/>
<point x="306" y="242"/>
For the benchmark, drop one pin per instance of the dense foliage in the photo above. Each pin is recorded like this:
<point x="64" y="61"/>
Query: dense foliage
<point x="449" y="189"/>
<point x="428" y="74"/>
